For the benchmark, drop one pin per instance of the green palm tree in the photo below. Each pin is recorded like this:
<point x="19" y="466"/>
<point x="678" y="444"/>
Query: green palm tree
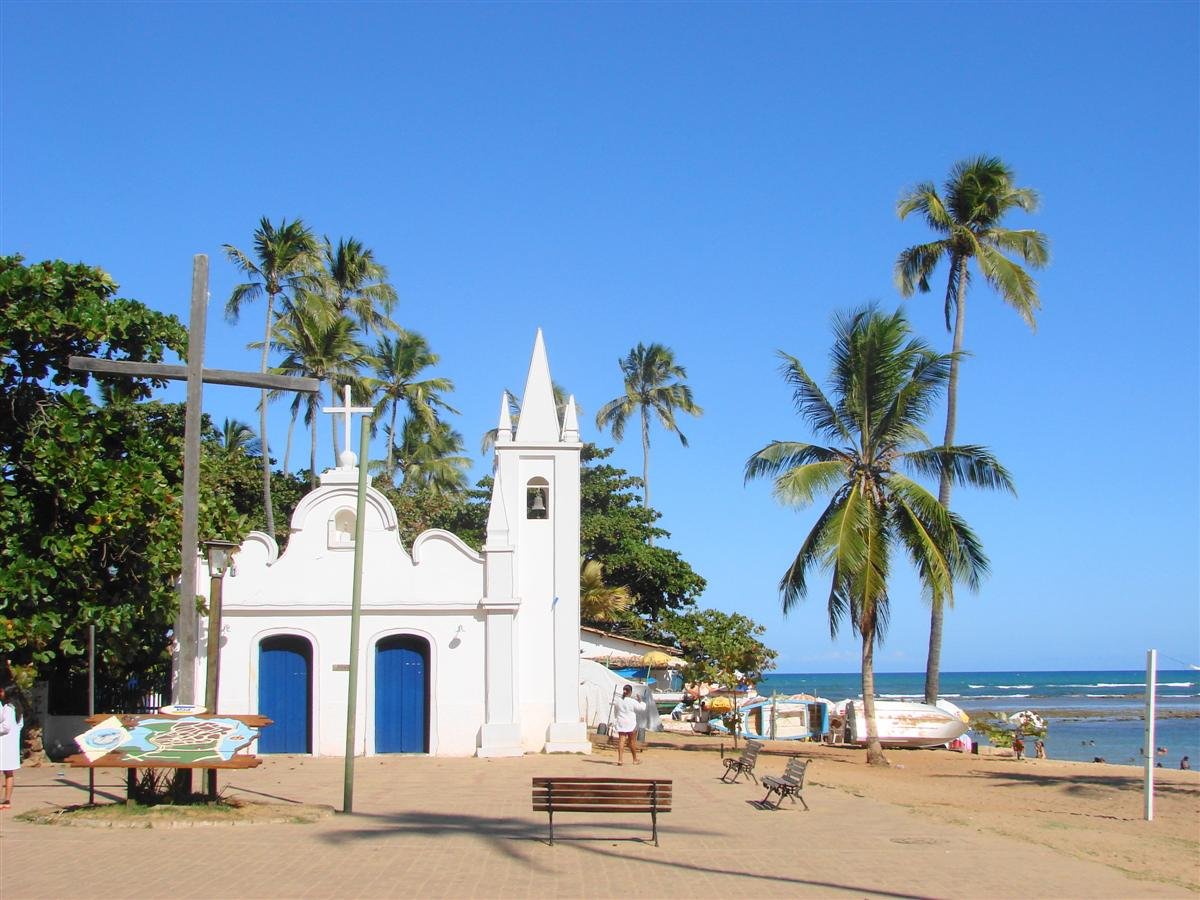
<point x="317" y="346"/>
<point x="976" y="197"/>
<point x="650" y="386"/>
<point x="884" y="383"/>
<point x="599" y="602"/>
<point x="237" y="436"/>
<point x="430" y="456"/>
<point x="398" y="363"/>
<point x="284" y="258"/>
<point x="356" y="284"/>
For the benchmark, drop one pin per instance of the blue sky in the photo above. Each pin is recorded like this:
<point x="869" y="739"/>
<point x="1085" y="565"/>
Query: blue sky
<point x="719" y="178"/>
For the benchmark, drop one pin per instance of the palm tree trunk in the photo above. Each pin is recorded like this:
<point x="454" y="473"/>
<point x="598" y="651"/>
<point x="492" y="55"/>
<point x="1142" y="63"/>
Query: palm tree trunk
<point x="262" y="430"/>
<point x="287" y="448"/>
<point x="646" y="466"/>
<point x="875" y="755"/>
<point x="391" y="455"/>
<point x="933" y="663"/>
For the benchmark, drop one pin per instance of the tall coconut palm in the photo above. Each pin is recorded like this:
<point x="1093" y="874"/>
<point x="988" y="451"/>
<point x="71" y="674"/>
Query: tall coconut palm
<point x="430" y="456"/>
<point x="317" y="346"/>
<point x="357" y="285"/>
<point x="652" y="384"/>
<point x="398" y="363"/>
<point x="976" y="197"/>
<point x="284" y="258"/>
<point x="884" y="383"/>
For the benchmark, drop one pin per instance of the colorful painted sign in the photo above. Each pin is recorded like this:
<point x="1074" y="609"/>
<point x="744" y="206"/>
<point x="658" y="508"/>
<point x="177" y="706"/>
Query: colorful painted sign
<point x="208" y="741"/>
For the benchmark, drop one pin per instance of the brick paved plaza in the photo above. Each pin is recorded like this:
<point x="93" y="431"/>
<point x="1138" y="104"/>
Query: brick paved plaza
<point x="428" y="827"/>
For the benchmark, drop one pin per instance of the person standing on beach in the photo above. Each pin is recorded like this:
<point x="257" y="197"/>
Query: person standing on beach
<point x="1018" y="746"/>
<point x="625" y="720"/>
<point x="1185" y="763"/>
<point x="1039" y="748"/>
<point x="11" y="722"/>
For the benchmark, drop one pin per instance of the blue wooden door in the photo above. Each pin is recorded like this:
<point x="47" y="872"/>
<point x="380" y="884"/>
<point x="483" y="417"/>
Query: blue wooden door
<point x="402" y="695"/>
<point x="285" y="694"/>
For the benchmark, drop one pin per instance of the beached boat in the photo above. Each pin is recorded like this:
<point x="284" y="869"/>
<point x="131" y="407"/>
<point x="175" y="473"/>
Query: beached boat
<point x="798" y="717"/>
<point x="903" y="724"/>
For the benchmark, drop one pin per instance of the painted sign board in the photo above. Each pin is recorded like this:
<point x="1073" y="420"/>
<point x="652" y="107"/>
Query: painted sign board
<point x="202" y="741"/>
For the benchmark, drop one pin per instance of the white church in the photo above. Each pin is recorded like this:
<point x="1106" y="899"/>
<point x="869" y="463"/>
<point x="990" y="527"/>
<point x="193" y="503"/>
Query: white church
<point x="460" y="653"/>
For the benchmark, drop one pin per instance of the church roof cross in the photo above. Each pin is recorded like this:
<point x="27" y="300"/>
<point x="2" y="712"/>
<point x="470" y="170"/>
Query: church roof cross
<point x="346" y="410"/>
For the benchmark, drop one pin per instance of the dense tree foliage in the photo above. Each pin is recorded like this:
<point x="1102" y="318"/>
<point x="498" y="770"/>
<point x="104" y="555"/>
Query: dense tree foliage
<point x="90" y="499"/>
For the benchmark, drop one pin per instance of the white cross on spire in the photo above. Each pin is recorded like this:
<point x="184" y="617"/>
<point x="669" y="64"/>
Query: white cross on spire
<point x="348" y="459"/>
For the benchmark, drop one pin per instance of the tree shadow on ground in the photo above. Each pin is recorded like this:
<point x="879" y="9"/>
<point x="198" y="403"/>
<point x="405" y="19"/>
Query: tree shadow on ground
<point x="1074" y="783"/>
<point x="509" y="836"/>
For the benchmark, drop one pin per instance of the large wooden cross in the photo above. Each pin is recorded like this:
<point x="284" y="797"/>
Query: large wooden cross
<point x="195" y="375"/>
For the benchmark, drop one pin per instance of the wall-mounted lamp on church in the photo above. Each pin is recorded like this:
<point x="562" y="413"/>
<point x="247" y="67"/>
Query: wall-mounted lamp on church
<point x="457" y="638"/>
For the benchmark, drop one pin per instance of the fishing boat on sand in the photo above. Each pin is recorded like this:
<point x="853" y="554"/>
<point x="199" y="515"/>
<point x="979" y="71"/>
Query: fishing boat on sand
<point x="904" y="724"/>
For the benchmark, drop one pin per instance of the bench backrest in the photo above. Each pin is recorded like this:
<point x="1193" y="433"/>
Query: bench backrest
<point x="795" y="770"/>
<point x="602" y="795"/>
<point x="750" y="754"/>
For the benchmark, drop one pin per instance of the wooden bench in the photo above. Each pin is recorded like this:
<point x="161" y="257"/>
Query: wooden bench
<point x="602" y="795"/>
<point x="743" y="765"/>
<point x="789" y="784"/>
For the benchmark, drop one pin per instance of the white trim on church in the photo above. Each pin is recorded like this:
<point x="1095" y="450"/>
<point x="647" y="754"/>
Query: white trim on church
<point x="461" y="652"/>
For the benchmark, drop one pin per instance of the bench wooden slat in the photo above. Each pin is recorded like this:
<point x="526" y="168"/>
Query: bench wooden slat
<point x="602" y="795"/>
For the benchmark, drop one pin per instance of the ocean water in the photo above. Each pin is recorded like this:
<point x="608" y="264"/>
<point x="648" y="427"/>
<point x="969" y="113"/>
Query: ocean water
<point x="1094" y="713"/>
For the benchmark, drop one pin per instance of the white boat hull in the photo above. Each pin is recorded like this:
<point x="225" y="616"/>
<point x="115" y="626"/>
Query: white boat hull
<point x="902" y="724"/>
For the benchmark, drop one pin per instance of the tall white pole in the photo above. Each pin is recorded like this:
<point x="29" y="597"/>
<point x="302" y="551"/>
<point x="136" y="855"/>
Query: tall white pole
<point x="1148" y="751"/>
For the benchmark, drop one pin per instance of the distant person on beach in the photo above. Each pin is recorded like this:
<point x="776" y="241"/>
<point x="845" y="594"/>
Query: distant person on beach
<point x="625" y="720"/>
<point x="1185" y="763"/>
<point x="1019" y="747"/>
<point x="1039" y="748"/>
<point x="11" y="722"/>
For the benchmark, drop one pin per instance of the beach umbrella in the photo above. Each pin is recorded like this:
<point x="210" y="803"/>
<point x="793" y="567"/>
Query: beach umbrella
<point x="656" y="658"/>
<point x="720" y="704"/>
<point x="1027" y="718"/>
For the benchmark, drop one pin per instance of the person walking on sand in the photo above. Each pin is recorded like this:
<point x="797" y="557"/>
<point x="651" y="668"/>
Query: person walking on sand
<point x="11" y="722"/>
<point x="625" y="720"/>
<point x="1019" y="747"/>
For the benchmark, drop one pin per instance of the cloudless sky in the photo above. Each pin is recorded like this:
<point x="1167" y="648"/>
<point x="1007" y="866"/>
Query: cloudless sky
<point x="718" y="178"/>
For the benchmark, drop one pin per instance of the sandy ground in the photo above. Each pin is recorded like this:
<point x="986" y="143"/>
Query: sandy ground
<point x="1089" y="811"/>
<point x="935" y="824"/>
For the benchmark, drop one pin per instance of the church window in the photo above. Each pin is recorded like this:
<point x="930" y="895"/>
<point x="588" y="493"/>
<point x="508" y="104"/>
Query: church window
<point x="341" y="529"/>
<point x="537" y="500"/>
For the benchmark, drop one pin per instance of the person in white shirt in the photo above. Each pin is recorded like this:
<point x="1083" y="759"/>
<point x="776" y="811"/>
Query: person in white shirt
<point x="625" y="720"/>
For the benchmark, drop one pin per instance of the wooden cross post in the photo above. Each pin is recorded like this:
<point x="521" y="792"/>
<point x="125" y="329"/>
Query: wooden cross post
<point x="195" y="375"/>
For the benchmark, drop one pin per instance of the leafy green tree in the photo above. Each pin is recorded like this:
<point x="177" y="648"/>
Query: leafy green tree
<point x="354" y="283"/>
<point x="653" y="384"/>
<point x="615" y="529"/>
<point x="976" y="197"/>
<point x="90" y="517"/>
<point x="319" y="346"/>
<point x="284" y="260"/>
<point x="398" y="363"/>
<point x="884" y="382"/>
<point x="720" y="648"/>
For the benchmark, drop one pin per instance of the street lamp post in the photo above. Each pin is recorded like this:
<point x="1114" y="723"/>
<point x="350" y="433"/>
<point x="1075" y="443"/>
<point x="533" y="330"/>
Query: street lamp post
<point x="220" y="557"/>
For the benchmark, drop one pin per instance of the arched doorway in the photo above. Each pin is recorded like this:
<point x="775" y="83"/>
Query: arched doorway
<point x="402" y="694"/>
<point x="285" y="693"/>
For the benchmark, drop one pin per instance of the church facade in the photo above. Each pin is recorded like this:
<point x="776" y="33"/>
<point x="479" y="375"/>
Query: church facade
<point x="460" y="653"/>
